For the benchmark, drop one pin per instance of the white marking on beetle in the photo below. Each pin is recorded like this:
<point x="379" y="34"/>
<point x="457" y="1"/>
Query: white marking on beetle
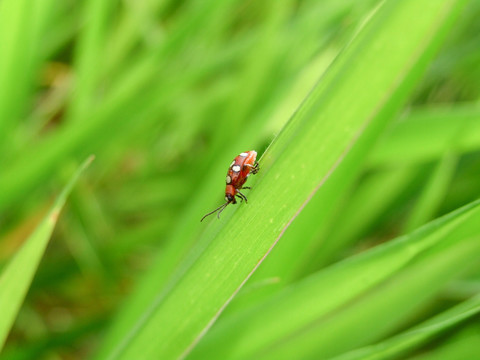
<point x="226" y="199"/>
<point x="228" y="179"/>
<point x="236" y="168"/>
<point x="233" y="163"/>
<point x="243" y="154"/>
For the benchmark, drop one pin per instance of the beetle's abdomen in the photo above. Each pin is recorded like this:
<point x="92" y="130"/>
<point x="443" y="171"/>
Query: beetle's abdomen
<point x="240" y="169"/>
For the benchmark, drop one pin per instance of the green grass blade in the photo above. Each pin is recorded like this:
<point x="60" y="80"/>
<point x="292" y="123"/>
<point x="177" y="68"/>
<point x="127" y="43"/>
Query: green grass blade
<point x="291" y="313"/>
<point x="388" y="56"/>
<point x="89" y="56"/>
<point x="394" y="347"/>
<point x="450" y="129"/>
<point x="375" y="195"/>
<point x="433" y="193"/>
<point x="20" y="27"/>
<point x="18" y="273"/>
<point x="407" y="293"/>
<point x="462" y="345"/>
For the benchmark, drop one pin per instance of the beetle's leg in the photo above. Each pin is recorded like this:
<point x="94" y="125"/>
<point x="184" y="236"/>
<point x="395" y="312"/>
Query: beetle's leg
<point x="253" y="168"/>
<point x="241" y="196"/>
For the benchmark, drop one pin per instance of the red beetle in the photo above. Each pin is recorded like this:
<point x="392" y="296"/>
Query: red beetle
<point x="238" y="172"/>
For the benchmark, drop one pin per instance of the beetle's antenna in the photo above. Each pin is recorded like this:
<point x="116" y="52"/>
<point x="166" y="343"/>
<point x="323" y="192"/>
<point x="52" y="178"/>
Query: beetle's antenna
<point x="221" y="207"/>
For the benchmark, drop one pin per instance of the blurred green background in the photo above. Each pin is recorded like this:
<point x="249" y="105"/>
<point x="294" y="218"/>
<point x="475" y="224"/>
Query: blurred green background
<point x="165" y="94"/>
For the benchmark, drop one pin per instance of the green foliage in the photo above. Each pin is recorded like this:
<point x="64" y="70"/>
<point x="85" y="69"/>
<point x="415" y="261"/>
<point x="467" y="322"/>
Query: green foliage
<point x="360" y="236"/>
<point x="18" y="273"/>
<point x="392" y="347"/>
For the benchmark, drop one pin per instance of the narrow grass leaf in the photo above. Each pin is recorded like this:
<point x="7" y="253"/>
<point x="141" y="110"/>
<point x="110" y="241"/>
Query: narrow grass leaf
<point x="406" y="143"/>
<point x="369" y="318"/>
<point x="20" y="28"/>
<point x="395" y="346"/>
<point x="290" y="312"/>
<point x="89" y="53"/>
<point x="433" y="193"/>
<point x="183" y="311"/>
<point x="462" y="345"/>
<point x="374" y="197"/>
<point x="18" y="273"/>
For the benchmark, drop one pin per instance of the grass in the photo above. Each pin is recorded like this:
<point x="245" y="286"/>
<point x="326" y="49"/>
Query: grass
<point x="17" y="275"/>
<point x="360" y="227"/>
